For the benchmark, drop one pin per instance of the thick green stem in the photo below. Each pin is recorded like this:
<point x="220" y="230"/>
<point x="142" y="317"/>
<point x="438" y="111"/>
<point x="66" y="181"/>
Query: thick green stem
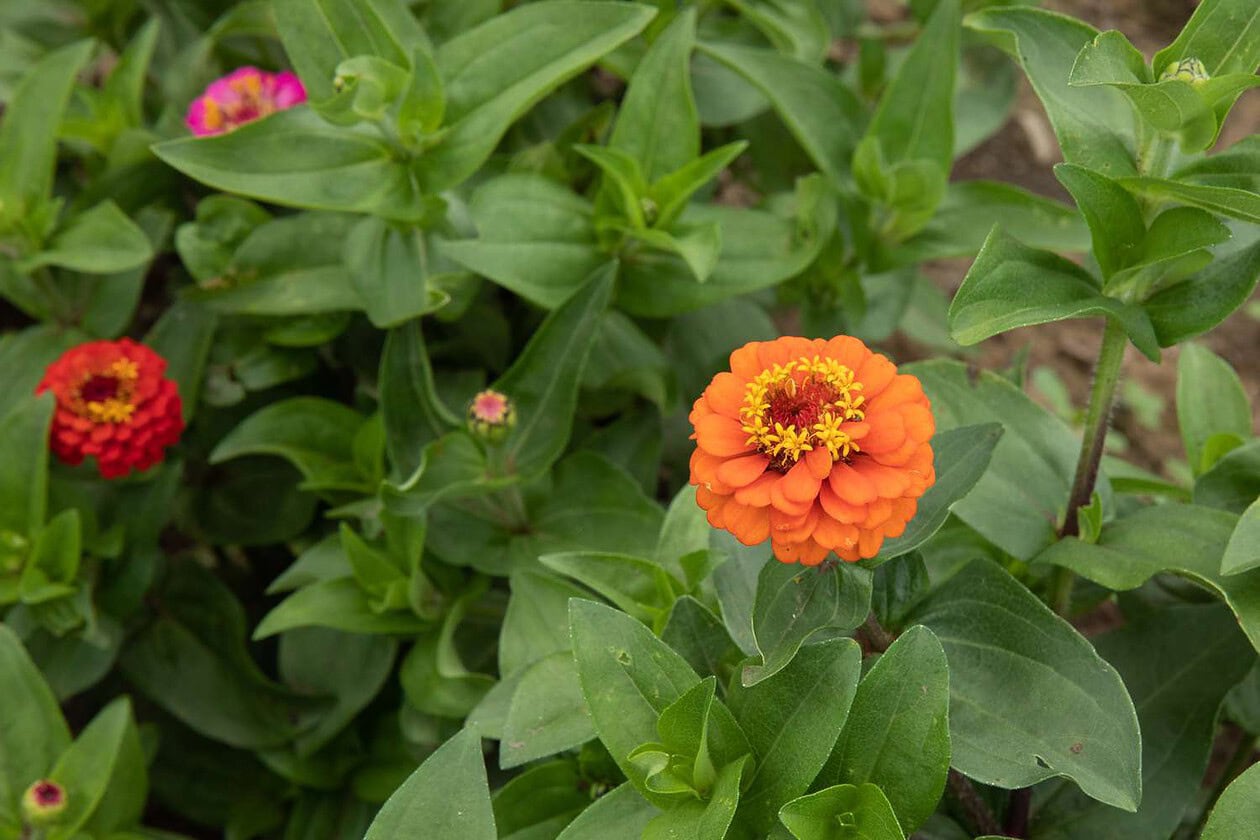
<point x="1097" y="415"/>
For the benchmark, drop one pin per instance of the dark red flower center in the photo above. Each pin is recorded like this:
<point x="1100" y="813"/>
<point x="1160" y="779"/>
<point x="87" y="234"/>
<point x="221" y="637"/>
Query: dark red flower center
<point x="99" y="389"/>
<point x="802" y="408"/>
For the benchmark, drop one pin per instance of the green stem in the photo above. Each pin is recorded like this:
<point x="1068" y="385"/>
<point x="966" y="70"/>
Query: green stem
<point x="1097" y="415"/>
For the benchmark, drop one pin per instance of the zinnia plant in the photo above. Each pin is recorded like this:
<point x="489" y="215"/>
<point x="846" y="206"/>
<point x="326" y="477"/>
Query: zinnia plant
<point x="622" y="419"/>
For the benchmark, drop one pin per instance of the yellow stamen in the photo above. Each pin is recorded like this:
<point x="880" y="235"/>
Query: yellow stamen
<point x="840" y="401"/>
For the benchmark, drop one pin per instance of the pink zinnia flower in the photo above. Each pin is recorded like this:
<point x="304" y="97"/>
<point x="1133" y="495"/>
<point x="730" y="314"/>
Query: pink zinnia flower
<point x="242" y="96"/>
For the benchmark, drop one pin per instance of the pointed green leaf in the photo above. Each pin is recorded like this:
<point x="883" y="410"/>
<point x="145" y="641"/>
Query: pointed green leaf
<point x="447" y="796"/>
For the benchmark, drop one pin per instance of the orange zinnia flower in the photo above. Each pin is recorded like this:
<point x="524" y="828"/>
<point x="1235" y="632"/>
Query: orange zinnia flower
<point x="113" y="403"/>
<point x="816" y="445"/>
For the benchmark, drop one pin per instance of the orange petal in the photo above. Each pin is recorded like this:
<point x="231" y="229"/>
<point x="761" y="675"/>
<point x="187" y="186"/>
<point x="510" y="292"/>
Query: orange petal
<point x="783" y="503"/>
<point x="904" y="388"/>
<point x="725" y="394"/>
<point x="851" y="485"/>
<point x="889" y="482"/>
<point x="920" y="424"/>
<point x="869" y="543"/>
<point x="750" y="525"/>
<point x="849" y="352"/>
<point x="835" y="535"/>
<point x="794" y="530"/>
<point x="704" y="472"/>
<point x="900" y="456"/>
<point x="838" y="509"/>
<point x="875" y="374"/>
<point x="877" y="514"/>
<point x="744" y="362"/>
<point x="740" y="472"/>
<point x="887" y="431"/>
<point x="800" y="485"/>
<point x="819" y="462"/>
<point x="757" y="494"/>
<point x="720" y="435"/>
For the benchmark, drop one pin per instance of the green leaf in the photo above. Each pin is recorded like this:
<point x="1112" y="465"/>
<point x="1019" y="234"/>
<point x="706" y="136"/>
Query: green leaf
<point x="388" y="266"/>
<point x="1011" y="285"/>
<point x="313" y="434"/>
<point x="413" y="412"/>
<point x="1210" y="401"/>
<point x="497" y="71"/>
<point x="792" y="719"/>
<point x="540" y="802"/>
<point x="1112" y="213"/>
<point x="32" y="731"/>
<point x="1058" y="710"/>
<point x="623" y="183"/>
<point x="53" y="563"/>
<point x="1173" y="246"/>
<point x="915" y="120"/>
<point x="1233" y="482"/>
<point x="898" y="585"/>
<point x="897" y="734"/>
<point x="1177" y="695"/>
<point x="320" y="34"/>
<point x="338" y="603"/>
<point x="968" y="213"/>
<point x="1187" y="540"/>
<point x="759" y="249"/>
<point x="640" y="587"/>
<point x="1094" y="125"/>
<point x="656" y="121"/>
<point x="84" y="769"/>
<point x="794" y="602"/>
<point x="621" y="814"/>
<point x="822" y="114"/>
<point x="1238" y="809"/>
<point x="1020" y="498"/>
<point x="296" y="159"/>
<point x="629" y="677"/>
<point x="699" y="246"/>
<point x="1226" y="201"/>
<point x="101" y="240"/>
<point x="28" y="136"/>
<point x="183" y="336"/>
<point x="349" y="668"/>
<point x="423" y="104"/>
<point x="703" y="820"/>
<point x="543" y="381"/>
<point x="1242" y="553"/>
<point x="536" y="623"/>
<point x="1222" y="34"/>
<point x="447" y="796"/>
<point x="548" y="713"/>
<point x="24" y="465"/>
<point x="961" y="457"/>
<point x="856" y="811"/>
<point x="699" y="637"/>
<point x="536" y="238"/>
<point x="288" y="266"/>
<point x="192" y="661"/>
<point x="672" y="191"/>
<point x="1204" y="299"/>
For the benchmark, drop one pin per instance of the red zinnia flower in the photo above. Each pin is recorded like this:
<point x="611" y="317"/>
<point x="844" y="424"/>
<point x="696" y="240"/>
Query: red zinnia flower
<point x="242" y="96"/>
<point x="815" y="445"/>
<point x="114" y="403"/>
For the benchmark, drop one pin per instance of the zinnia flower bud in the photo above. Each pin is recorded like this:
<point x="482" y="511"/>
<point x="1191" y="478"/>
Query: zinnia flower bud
<point x="43" y="802"/>
<point x="113" y="403"/>
<point x="816" y="445"/>
<point x="491" y="415"/>
<point x="242" y="96"/>
<point x="1187" y="70"/>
